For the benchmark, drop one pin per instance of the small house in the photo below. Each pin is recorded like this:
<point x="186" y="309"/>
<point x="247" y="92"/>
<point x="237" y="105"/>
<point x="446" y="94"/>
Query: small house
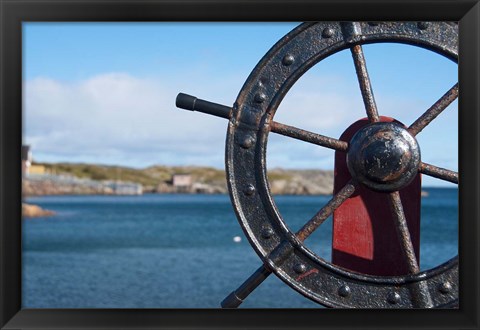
<point x="182" y="182"/>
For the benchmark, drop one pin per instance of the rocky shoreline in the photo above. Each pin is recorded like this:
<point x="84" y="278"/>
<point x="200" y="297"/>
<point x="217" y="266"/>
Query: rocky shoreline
<point x="203" y="181"/>
<point x="49" y="187"/>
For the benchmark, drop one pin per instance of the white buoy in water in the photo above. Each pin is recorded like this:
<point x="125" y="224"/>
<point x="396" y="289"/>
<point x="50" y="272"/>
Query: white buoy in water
<point x="237" y="239"/>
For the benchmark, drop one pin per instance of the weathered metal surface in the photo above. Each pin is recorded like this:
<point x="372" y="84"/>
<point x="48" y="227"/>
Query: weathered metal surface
<point x="383" y="156"/>
<point x="364" y="232"/>
<point x="300" y="134"/>
<point x="420" y="294"/>
<point x="403" y="232"/>
<point x="434" y="110"/>
<point x="250" y="123"/>
<point x="272" y="78"/>
<point x="364" y="82"/>
<point x="189" y="102"/>
<point x="438" y="172"/>
<point x="236" y="297"/>
<point x="326" y="211"/>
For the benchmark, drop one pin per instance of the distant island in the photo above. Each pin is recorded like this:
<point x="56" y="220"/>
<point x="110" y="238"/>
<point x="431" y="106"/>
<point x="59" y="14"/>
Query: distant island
<point x="77" y="178"/>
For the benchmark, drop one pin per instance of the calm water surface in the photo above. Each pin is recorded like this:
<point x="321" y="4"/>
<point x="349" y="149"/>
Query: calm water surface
<point x="177" y="251"/>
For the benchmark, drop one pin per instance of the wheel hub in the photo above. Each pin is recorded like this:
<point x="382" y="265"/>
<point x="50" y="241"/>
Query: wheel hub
<point x="383" y="156"/>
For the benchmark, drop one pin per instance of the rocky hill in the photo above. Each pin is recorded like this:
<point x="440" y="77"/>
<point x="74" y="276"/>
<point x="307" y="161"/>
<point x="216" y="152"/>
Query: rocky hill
<point x="300" y="182"/>
<point x="157" y="179"/>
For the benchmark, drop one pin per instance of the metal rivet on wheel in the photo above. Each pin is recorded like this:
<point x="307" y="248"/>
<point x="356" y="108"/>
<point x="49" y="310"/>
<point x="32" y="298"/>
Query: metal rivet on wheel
<point x="247" y="142"/>
<point x="299" y="268"/>
<point x="249" y="190"/>
<point x="393" y="298"/>
<point x="260" y="97"/>
<point x="422" y="25"/>
<point x="344" y="291"/>
<point x="267" y="233"/>
<point x="327" y="33"/>
<point x="445" y="287"/>
<point x="288" y="60"/>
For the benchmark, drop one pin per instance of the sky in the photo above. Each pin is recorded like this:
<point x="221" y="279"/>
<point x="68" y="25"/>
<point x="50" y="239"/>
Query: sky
<point x="105" y="93"/>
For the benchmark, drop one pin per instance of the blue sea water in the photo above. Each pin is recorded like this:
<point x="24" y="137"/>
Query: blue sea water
<point x="177" y="251"/>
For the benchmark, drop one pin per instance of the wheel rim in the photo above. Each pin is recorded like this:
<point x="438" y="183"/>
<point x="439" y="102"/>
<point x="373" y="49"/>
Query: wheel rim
<point x="280" y="249"/>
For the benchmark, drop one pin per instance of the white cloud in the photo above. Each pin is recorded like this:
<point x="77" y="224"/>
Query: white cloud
<point x="114" y="116"/>
<point x="117" y="117"/>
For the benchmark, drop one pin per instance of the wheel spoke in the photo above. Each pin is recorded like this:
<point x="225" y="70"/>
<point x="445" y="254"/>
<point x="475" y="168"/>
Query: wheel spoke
<point x="235" y="299"/>
<point x="419" y="290"/>
<point x="438" y="172"/>
<point x="436" y="109"/>
<point x="403" y="233"/>
<point x="192" y="103"/>
<point x="307" y="136"/>
<point x="364" y="82"/>
<point x="326" y="211"/>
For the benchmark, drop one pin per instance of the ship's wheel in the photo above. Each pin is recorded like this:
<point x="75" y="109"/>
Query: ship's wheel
<point x="381" y="155"/>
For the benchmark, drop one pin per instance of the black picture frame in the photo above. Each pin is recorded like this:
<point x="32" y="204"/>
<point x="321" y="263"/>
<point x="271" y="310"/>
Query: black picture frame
<point x="14" y="12"/>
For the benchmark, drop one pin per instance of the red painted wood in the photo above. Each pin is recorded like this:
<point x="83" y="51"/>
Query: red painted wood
<point x="364" y="235"/>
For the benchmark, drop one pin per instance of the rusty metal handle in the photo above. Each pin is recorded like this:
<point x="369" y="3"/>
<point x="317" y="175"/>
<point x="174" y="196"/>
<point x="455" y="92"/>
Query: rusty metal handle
<point x="189" y="102"/>
<point x="235" y="299"/>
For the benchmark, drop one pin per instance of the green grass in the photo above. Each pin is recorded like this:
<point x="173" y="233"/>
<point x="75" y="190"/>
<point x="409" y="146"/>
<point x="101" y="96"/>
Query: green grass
<point x="150" y="176"/>
<point x="102" y="172"/>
